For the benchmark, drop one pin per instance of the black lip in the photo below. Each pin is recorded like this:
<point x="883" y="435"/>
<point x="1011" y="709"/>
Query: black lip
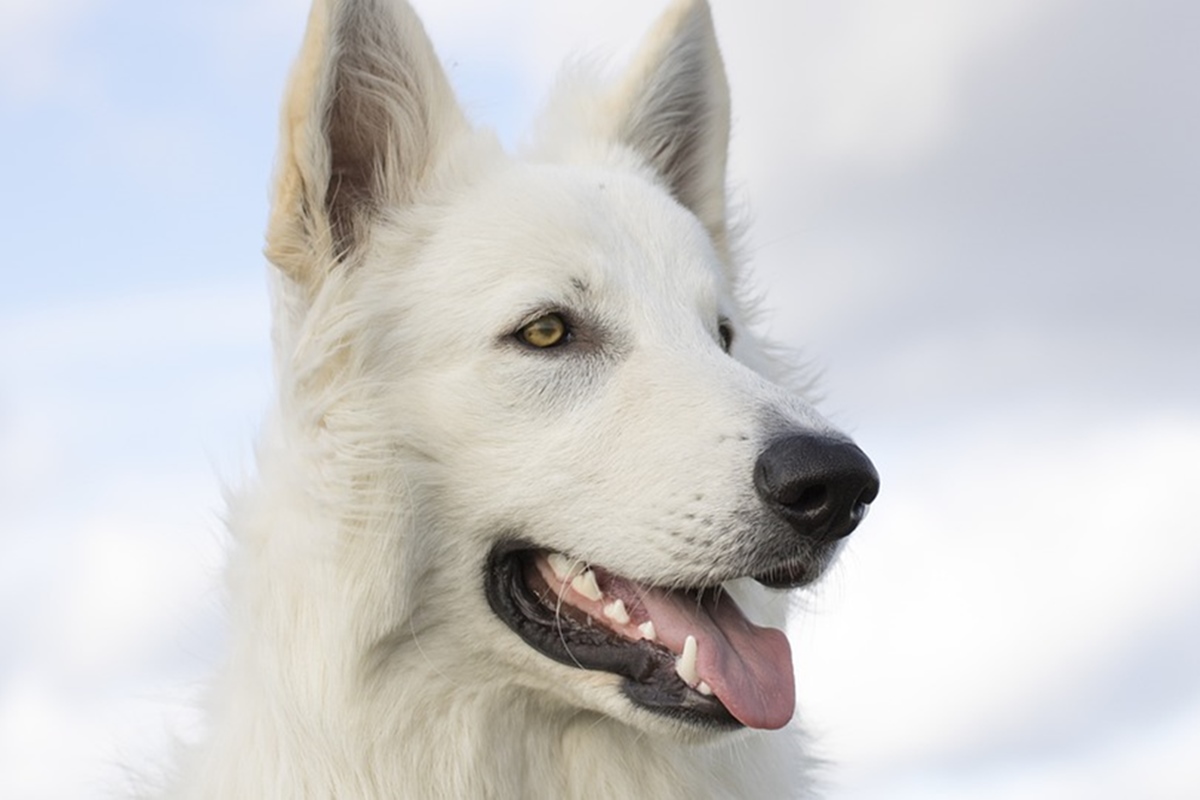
<point x="790" y="575"/>
<point x="648" y="671"/>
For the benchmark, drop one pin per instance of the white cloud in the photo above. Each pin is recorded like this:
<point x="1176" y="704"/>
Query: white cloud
<point x="102" y="613"/>
<point x="56" y="744"/>
<point x="1138" y="762"/>
<point x="132" y="575"/>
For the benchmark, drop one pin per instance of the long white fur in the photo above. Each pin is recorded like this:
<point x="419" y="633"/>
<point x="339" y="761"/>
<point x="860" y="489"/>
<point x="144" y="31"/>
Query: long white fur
<point x="409" y="433"/>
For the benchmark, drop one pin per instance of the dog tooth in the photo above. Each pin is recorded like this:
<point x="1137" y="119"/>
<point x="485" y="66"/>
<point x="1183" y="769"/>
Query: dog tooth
<point x="586" y="585"/>
<point x="685" y="665"/>
<point x="616" y="612"/>
<point x="564" y="568"/>
<point x="647" y="629"/>
<point x="704" y="689"/>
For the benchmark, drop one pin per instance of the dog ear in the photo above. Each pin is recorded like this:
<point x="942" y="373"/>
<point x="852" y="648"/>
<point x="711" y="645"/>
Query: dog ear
<point x="672" y="108"/>
<point x="367" y="111"/>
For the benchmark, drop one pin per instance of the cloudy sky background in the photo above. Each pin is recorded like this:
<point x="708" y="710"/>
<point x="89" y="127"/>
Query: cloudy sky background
<point x="981" y="220"/>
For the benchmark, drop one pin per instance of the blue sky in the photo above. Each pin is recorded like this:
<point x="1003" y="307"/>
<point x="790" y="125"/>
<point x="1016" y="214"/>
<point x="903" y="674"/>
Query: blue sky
<point x="979" y="220"/>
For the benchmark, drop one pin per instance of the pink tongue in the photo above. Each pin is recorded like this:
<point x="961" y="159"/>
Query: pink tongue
<point x="748" y="668"/>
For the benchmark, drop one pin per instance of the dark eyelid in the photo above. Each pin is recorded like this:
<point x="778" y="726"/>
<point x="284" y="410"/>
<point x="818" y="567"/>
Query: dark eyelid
<point x="537" y="312"/>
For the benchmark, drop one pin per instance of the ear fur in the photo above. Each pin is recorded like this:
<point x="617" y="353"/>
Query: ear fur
<point x="367" y="111"/>
<point x="672" y="108"/>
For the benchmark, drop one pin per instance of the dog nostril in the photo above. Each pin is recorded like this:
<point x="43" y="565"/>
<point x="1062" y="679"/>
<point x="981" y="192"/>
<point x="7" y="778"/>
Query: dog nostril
<point x="859" y="512"/>
<point x="811" y="499"/>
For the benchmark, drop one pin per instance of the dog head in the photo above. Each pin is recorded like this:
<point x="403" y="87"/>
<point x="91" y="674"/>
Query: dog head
<point x="531" y="386"/>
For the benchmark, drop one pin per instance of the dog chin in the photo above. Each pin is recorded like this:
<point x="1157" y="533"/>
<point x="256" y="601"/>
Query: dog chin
<point x="686" y="659"/>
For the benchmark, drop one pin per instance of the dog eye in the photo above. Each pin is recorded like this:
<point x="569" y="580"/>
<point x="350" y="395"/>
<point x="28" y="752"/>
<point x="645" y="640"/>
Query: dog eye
<point x="549" y="330"/>
<point x="725" y="332"/>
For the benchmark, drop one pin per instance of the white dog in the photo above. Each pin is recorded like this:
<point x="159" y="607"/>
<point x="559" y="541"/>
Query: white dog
<point x="525" y="454"/>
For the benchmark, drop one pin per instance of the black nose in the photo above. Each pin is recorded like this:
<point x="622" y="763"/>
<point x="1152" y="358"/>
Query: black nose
<point x="820" y="485"/>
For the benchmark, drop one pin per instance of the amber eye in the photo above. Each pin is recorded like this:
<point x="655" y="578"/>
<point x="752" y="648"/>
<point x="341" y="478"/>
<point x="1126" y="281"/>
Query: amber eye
<point x="545" y="331"/>
<point x="725" y="332"/>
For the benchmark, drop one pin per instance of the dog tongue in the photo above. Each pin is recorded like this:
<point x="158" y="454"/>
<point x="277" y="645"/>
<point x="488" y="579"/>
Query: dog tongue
<point x="749" y="668"/>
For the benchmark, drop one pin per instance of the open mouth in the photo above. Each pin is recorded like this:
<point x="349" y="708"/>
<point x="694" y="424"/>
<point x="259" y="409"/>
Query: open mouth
<point x="689" y="654"/>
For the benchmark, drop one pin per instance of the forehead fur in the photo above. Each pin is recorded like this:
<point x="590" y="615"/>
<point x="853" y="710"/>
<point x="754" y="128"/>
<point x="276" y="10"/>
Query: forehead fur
<point x="608" y="224"/>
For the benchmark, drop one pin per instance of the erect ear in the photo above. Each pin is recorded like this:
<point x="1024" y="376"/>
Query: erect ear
<point x="672" y="108"/>
<point x="367" y="111"/>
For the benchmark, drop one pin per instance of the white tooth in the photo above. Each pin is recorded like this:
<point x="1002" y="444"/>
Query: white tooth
<point x="704" y="689"/>
<point x="586" y="585"/>
<point x="564" y="568"/>
<point x="647" y="629"/>
<point x="616" y="612"/>
<point x="685" y="665"/>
